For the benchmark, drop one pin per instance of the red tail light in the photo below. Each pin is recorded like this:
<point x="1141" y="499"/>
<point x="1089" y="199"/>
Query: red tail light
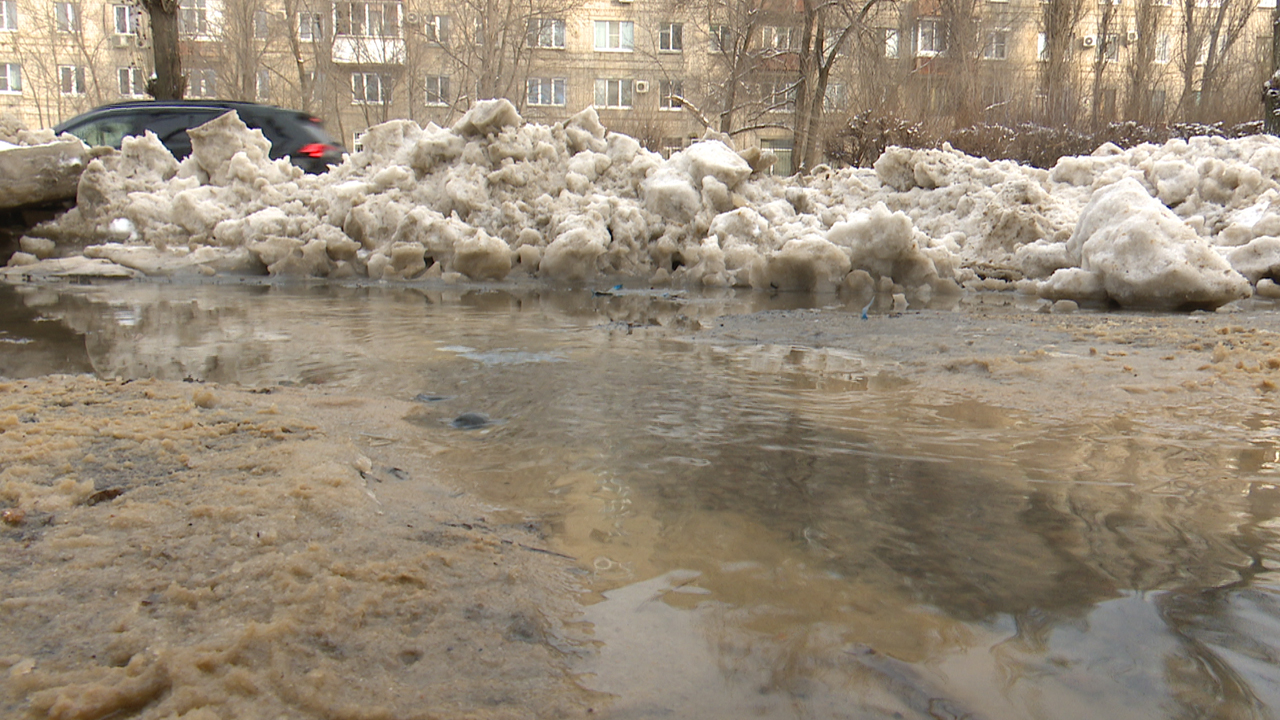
<point x="315" y="150"/>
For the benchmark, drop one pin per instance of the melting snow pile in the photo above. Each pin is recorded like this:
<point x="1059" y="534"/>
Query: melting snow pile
<point x="1187" y="224"/>
<point x="35" y="167"/>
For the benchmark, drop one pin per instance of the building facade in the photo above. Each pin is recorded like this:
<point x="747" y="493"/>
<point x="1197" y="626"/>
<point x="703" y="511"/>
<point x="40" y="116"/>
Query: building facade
<point x="661" y="70"/>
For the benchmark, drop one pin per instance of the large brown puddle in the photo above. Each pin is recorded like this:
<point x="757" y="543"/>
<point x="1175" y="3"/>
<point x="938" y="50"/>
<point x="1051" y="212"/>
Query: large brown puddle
<point x="979" y="511"/>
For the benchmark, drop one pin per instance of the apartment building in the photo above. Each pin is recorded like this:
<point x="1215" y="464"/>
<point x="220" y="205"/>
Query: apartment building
<point x="659" y="70"/>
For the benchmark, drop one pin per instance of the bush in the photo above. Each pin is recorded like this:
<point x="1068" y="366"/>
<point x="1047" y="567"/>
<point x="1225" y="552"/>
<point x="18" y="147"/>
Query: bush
<point x="865" y="137"/>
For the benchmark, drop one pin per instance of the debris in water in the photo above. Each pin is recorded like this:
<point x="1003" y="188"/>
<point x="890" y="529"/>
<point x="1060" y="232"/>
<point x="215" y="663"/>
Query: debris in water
<point x="471" y="421"/>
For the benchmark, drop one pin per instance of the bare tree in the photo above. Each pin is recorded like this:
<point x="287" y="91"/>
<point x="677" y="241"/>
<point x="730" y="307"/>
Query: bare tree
<point x="1106" y="52"/>
<point x="169" y="82"/>
<point x="1209" y="30"/>
<point x="1059" y="25"/>
<point x="829" y="26"/>
<point x="1149" y="50"/>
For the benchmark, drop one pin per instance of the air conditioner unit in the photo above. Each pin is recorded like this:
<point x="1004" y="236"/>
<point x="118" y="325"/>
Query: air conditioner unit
<point x="1089" y="41"/>
<point x="625" y="2"/>
<point x="412" y="19"/>
<point x="122" y="42"/>
<point x="642" y="86"/>
<point x="1131" y="36"/>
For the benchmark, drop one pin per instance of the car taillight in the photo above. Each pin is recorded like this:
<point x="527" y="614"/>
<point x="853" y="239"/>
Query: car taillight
<point x="315" y="150"/>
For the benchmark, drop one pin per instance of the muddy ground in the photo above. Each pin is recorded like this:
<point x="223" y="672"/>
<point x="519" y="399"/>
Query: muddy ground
<point x="201" y="551"/>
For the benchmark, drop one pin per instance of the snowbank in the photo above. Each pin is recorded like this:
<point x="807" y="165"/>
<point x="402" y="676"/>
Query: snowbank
<point x="36" y="168"/>
<point x="1180" y="225"/>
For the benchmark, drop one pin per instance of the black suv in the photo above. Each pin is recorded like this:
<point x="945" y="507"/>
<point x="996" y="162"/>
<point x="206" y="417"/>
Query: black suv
<point x="296" y="135"/>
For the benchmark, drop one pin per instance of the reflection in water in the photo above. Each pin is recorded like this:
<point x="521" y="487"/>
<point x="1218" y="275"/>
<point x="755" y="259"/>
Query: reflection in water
<point x="782" y="531"/>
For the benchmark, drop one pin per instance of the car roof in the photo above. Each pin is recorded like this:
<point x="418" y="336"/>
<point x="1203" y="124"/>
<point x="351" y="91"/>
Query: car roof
<point x="238" y="105"/>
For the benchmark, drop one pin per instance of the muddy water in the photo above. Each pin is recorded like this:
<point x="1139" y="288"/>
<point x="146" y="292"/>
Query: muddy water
<point x="776" y="511"/>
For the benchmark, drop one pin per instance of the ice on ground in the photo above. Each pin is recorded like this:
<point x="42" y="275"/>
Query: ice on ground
<point x="1190" y="223"/>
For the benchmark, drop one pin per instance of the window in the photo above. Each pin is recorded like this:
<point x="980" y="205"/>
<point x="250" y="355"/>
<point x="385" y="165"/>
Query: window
<point x="670" y="146"/>
<point x="126" y="19"/>
<point x="438" y="90"/>
<point x="261" y="25"/>
<point x="133" y="83"/>
<point x="721" y="38"/>
<point x="370" y="89"/>
<point x="615" y="35"/>
<point x="310" y="27"/>
<point x="10" y="78"/>
<point x="202" y="83"/>
<point x="357" y="140"/>
<point x="71" y="79"/>
<point x="931" y="37"/>
<point x="66" y="17"/>
<point x="614" y="94"/>
<point x="890" y="43"/>
<point x="435" y="29"/>
<point x="779" y="96"/>
<point x="1042" y="47"/>
<point x="545" y="92"/>
<point x="193" y="18"/>
<point x="263" y="86"/>
<point x="669" y="92"/>
<point x="8" y="15"/>
<point x="1110" y="47"/>
<point x="671" y="37"/>
<point x="1164" y="49"/>
<point x="1203" y="56"/>
<point x="546" y="33"/>
<point x="836" y="98"/>
<point x="997" y="45"/>
<point x="1158" y="98"/>
<point x="778" y="38"/>
<point x="783" y="150"/>
<point x="374" y="19"/>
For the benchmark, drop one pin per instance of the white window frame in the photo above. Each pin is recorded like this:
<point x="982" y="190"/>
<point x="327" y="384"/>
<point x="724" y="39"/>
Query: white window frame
<point x="362" y="16"/>
<point x="836" y="97"/>
<point x="435" y="29"/>
<point x="8" y="15"/>
<point x="720" y="38"/>
<point x="360" y="90"/>
<point x="671" y="37"/>
<point x="310" y="26"/>
<point x="124" y="19"/>
<point x="261" y="25"/>
<point x="262" y="85"/>
<point x="1109" y="46"/>
<point x="779" y="95"/>
<point x="10" y="78"/>
<point x="892" y="43"/>
<point x="1164" y="49"/>
<point x="72" y="81"/>
<point x="436" y="91"/>
<point x="1042" y="47"/>
<point x="546" y="33"/>
<point x="131" y="82"/>
<point x="615" y="36"/>
<point x="931" y="37"/>
<point x="66" y="18"/>
<point x="202" y="82"/>
<point x="781" y="38"/>
<point x="667" y="90"/>
<point x="193" y="19"/>
<point x="357" y="140"/>
<point x="546" y="92"/>
<point x="615" y="93"/>
<point x="996" y="46"/>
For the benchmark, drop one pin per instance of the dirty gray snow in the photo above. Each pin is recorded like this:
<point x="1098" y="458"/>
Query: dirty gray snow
<point x="1187" y="224"/>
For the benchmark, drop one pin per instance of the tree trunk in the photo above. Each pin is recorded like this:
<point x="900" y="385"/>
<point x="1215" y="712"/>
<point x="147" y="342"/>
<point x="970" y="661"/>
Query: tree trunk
<point x="169" y="83"/>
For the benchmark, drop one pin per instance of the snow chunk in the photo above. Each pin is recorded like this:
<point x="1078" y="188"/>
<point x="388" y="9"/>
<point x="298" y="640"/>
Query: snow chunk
<point x="488" y="117"/>
<point x="1143" y="256"/>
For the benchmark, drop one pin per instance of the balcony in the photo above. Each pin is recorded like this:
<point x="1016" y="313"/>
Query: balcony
<point x="353" y="50"/>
